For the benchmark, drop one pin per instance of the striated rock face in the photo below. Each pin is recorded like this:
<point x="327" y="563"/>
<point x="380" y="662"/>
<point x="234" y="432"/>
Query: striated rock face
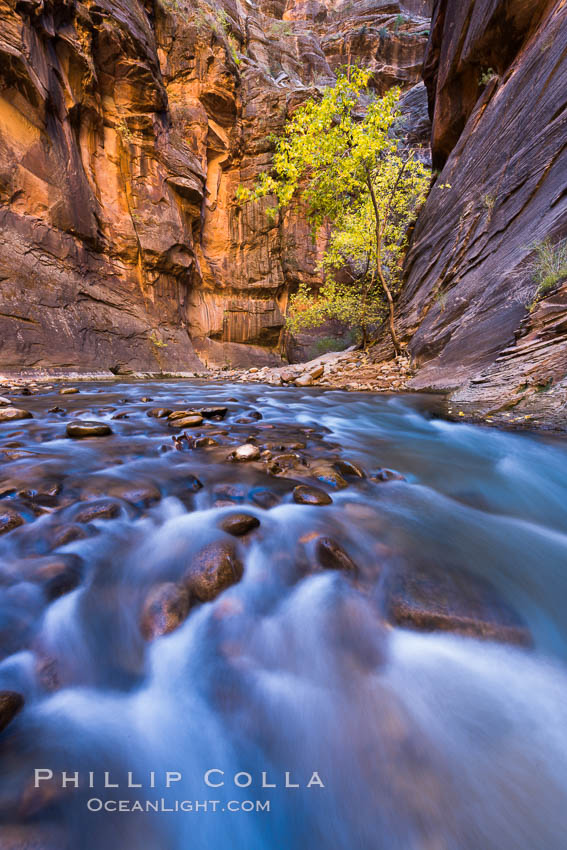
<point x="496" y="74"/>
<point x="99" y="194"/>
<point x="125" y="128"/>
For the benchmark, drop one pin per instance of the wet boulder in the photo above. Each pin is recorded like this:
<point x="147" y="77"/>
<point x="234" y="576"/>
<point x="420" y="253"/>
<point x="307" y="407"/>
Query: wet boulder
<point x="102" y="509"/>
<point x="239" y="523"/>
<point x="349" y="469"/>
<point x="42" y="494"/>
<point x="331" y="556"/>
<point x="81" y="428"/>
<point x="189" y="421"/>
<point x="181" y="414"/>
<point x="304" y="380"/>
<point x="213" y="412"/>
<point x="11" y="703"/>
<point x="9" y="519"/>
<point x="203" y="442"/>
<point x="61" y="535"/>
<point x="282" y="463"/>
<point x="58" y="574"/>
<point x="245" y="453"/>
<point x="159" y="412"/>
<point x="382" y="475"/>
<point x="325" y="473"/>
<point x="166" y="607"/>
<point x="431" y="598"/>
<point x="191" y="483"/>
<point x="212" y="570"/>
<point x="11" y="414"/>
<point x="305" y="495"/>
<point x="68" y="391"/>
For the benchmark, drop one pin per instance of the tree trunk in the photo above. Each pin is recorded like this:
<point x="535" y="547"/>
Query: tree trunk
<point x="363" y="322"/>
<point x="381" y="277"/>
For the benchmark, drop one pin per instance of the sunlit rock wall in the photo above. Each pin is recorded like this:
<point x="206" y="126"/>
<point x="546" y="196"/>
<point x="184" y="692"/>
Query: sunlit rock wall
<point x="125" y="129"/>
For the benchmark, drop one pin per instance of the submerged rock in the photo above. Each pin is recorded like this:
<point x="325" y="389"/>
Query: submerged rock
<point x="263" y="497"/>
<point x="84" y="428"/>
<point x="138" y="493"/>
<point x="386" y="475"/>
<point x="238" y="524"/>
<point x="203" y="442"/>
<point x="331" y="556"/>
<point x="9" y="519"/>
<point x="304" y="495"/>
<point x="212" y="570"/>
<point x="431" y="598"/>
<point x="67" y="533"/>
<point x="59" y="574"/>
<point x="166" y="607"/>
<point x="104" y="509"/>
<point x="11" y="703"/>
<point x="192" y="483"/>
<point x="45" y="494"/>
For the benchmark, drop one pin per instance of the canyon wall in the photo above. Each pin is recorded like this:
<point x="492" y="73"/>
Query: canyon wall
<point x="496" y="74"/>
<point x="125" y="128"/>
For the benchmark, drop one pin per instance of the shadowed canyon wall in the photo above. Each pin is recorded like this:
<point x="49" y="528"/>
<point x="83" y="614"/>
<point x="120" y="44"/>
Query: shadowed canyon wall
<point x="125" y="128"/>
<point x="496" y="74"/>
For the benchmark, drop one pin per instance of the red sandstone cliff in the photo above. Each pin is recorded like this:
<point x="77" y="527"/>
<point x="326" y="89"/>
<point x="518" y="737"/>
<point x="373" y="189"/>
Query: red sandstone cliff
<point x="125" y="129"/>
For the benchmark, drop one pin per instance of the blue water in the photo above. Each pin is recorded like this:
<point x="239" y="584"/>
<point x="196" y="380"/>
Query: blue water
<point x="422" y="741"/>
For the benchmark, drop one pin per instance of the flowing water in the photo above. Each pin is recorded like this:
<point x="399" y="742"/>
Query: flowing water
<point x="432" y="741"/>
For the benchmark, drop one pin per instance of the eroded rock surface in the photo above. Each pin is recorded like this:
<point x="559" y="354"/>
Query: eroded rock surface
<point x="125" y="129"/>
<point x="496" y="74"/>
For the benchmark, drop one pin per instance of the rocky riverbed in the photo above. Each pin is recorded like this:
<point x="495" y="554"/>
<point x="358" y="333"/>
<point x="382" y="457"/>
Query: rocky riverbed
<point x="200" y="574"/>
<point x="350" y="370"/>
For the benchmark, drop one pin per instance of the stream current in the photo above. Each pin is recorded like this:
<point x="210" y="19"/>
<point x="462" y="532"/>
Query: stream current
<point x="418" y="740"/>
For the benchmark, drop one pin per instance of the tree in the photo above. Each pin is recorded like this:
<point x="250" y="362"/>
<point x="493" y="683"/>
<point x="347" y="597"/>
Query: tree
<point x="343" y="155"/>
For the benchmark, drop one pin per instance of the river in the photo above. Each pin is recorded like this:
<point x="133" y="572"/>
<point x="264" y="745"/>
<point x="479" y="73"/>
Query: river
<point x="399" y="739"/>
